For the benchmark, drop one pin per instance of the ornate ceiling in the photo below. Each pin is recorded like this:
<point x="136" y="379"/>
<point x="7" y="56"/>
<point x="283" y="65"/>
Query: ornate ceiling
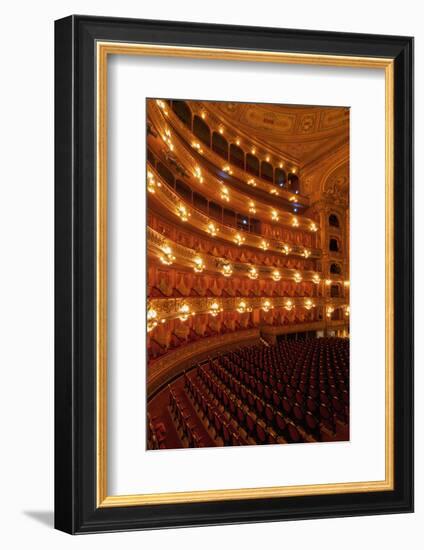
<point x="304" y="134"/>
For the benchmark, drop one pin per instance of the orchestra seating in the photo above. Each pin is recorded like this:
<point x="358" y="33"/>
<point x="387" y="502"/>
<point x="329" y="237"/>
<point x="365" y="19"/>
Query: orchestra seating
<point x="294" y="392"/>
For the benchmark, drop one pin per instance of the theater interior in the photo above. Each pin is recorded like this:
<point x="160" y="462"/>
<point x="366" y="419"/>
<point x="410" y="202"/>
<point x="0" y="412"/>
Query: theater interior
<point x="247" y="274"/>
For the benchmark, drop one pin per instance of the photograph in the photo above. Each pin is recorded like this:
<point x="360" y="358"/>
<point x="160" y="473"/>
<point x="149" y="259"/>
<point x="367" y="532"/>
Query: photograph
<point x="247" y="273"/>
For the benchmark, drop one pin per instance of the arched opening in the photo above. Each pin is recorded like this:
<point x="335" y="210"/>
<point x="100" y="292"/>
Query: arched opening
<point x="182" y="110"/>
<point x="335" y="291"/>
<point x="252" y="164"/>
<point x="293" y="183"/>
<point x="334" y="245"/>
<point x="236" y="155"/>
<point x="333" y="220"/>
<point x="267" y="171"/>
<point x="280" y="177"/>
<point x="220" y="145"/>
<point x="335" y="269"/>
<point x="201" y="130"/>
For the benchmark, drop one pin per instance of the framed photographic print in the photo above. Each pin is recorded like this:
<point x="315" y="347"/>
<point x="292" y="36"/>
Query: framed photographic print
<point x="234" y="274"/>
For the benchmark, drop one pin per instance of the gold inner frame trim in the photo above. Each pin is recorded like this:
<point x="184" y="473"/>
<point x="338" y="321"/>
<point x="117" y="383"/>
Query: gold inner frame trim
<point x="104" y="49"/>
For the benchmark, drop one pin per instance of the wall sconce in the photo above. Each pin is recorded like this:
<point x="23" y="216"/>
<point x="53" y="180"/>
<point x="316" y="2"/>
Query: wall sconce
<point x="309" y="304"/>
<point x="274" y="216"/>
<point x="330" y="310"/>
<point x="162" y="105"/>
<point x="297" y="277"/>
<point x="227" y="270"/>
<point x="328" y="282"/>
<point x="266" y="306"/>
<point x="152" y="321"/>
<point x="152" y="183"/>
<point x="212" y="229"/>
<point x="199" y="266"/>
<point x="167" y="258"/>
<point x="316" y="279"/>
<point x="242" y="307"/>
<point x="252" y="208"/>
<point x="251" y="182"/>
<point x="183" y="213"/>
<point x="167" y="139"/>
<point x="295" y="222"/>
<point x="313" y="227"/>
<point x="239" y="239"/>
<point x="184" y="312"/>
<point x="264" y="244"/>
<point x="225" y="195"/>
<point x="274" y="191"/>
<point x="196" y="145"/>
<point x="276" y="275"/>
<point x="306" y="253"/>
<point x="215" y="309"/>
<point x="288" y="305"/>
<point x="286" y="249"/>
<point x="253" y="273"/>
<point x="198" y="174"/>
<point x="347" y="311"/>
<point x="227" y="169"/>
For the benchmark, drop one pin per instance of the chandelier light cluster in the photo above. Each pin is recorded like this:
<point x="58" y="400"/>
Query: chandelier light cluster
<point x="253" y="273"/>
<point x="288" y="305"/>
<point x="198" y="174"/>
<point x="152" y="183"/>
<point x="167" y="257"/>
<point x="196" y="145"/>
<point x="152" y="321"/>
<point x="316" y="279"/>
<point x="227" y="169"/>
<point x="225" y="194"/>
<point x="276" y="275"/>
<point x="227" y="270"/>
<point x="267" y="306"/>
<point x="242" y="307"/>
<point x="297" y="277"/>
<point x="264" y="244"/>
<point x="239" y="239"/>
<point x="215" y="309"/>
<point x="199" y="265"/>
<point x="167" y="139"/>
<point x="183" y="213"/>
<point x="212" y="229"/>
<point x="162" y="105"/>
<point x="184" y="312"/>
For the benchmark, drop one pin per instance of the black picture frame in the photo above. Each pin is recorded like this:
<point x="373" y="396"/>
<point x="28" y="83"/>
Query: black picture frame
<point x="76" y="510"/>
